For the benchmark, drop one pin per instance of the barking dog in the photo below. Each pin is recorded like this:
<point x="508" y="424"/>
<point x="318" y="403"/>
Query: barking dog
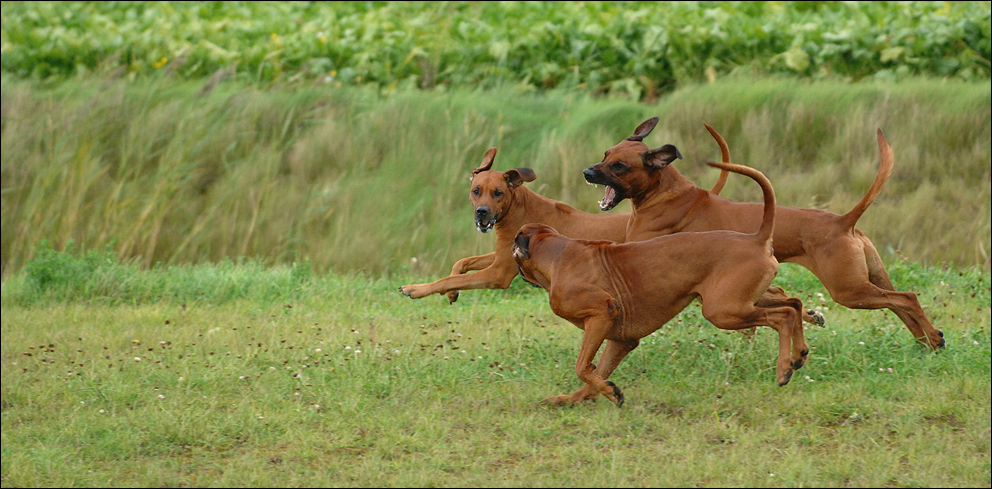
<point x="840" y="255"/>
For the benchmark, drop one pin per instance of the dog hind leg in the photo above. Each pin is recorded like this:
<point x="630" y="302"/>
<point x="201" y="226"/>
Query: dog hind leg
<point x="784" y="319"/>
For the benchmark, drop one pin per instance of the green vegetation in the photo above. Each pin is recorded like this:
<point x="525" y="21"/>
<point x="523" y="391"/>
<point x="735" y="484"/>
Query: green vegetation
<point x="642" y="49"/>
<point x="183" y="378"/>
<point x="353" y="180"/>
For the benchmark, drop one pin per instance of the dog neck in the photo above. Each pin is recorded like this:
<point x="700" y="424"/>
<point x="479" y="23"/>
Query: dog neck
<point x="660" y="210"/>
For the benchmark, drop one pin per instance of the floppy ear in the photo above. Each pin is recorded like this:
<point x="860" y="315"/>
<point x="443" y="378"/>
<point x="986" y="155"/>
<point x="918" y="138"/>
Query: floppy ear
<point x="517" y="176"/>
<point x="523" y="246"/>
<point x="644" y="129"/>
<point x="487" y="161"/>
<point x="660" y="158"/>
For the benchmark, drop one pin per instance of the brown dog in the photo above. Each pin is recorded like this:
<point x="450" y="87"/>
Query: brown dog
<point x="503" y="203"/>
<point x="840" y="255"/>
<point x="622" y="292"/>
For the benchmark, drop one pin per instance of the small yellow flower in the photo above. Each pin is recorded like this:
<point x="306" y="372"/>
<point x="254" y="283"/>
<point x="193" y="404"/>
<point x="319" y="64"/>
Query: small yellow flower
<point x="160" y="63"/>
<point x="334" y="72"/>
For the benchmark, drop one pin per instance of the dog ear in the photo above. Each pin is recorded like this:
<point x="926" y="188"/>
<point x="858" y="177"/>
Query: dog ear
<point x="487" y="161"/>
<point x="660" y="158"/>
<point x="517" y="176"/>
<point x="523" y="246"/>
<point x="644" y="129"/>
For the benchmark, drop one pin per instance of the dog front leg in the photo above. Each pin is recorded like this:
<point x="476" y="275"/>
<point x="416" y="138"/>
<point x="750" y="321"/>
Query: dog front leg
<point x="496" y="276"/>
<point x="467" y="265"/>
<point x="596" y="329"/>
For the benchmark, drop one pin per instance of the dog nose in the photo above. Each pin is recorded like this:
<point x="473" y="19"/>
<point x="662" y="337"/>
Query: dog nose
<point x="589" y="173"/>
<point x="482" y="211"/>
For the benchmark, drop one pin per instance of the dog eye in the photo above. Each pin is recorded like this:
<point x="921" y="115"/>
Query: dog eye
<point x="497" y="193"/>
<point x="476" y="191"/>
<point x="618" y="167"/>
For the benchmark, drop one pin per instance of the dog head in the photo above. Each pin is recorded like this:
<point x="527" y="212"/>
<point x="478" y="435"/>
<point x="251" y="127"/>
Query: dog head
<point x="630" y="167"/>
<point x="524" y="246"/>
<point x="492" y="191"/>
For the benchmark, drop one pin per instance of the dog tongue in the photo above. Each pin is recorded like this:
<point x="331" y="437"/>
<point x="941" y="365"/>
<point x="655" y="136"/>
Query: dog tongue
<point x="608" y="197"/>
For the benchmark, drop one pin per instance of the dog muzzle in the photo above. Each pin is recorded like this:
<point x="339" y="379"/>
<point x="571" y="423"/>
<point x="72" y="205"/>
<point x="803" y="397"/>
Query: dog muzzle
<point x="484" y="220"/>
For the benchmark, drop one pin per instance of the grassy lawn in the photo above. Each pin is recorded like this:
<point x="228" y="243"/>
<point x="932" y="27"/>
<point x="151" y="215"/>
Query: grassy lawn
<point x="342" y="381"/>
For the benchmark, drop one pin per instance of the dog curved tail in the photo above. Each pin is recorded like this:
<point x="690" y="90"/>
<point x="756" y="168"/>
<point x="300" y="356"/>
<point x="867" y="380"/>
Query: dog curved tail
<point x="724" y="155"/>
<point x="768" y="217"/>
<point x="884" y="171"/>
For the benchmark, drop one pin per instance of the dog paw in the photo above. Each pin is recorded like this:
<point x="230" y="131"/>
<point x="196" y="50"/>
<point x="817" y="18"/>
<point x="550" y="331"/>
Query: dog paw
<point x="412" y="291"/>
<point x="934" y="343"/>
<point x="452" y="296"/>
<point x="786" y="378"/>
<point x="940" y="342"/>
<point x="617" y="395"/>
<point x="799" y="362"/>
<point x="557" y="401"/>
<point x="814" y="317"/>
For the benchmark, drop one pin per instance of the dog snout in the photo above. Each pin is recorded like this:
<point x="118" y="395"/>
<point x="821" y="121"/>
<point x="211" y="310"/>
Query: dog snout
<point x="481" y="211"/>
<point x="590" y="174"/>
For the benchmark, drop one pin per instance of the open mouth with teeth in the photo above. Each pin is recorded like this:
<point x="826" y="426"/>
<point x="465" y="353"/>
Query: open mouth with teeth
<point x="611" y="197"/>
<point x="485" y="224"/>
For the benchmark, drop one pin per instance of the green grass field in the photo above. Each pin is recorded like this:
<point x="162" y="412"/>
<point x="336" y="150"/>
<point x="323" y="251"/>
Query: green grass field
<point x="237" y="374"/>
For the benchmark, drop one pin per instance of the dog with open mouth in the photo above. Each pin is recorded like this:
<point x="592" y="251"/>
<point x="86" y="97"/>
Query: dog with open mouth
<point x="502" y="203"/>
<point x="663" y="202"/>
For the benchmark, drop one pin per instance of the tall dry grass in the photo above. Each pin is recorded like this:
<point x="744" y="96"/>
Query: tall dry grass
<point x="353" y="180"/>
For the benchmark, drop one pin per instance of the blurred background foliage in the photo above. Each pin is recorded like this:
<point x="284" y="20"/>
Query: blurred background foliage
<point x="642" y="49"/>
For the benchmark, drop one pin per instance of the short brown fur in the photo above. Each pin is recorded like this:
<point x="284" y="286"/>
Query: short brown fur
<point x="840" y="255"/>
<point x="622" y="292"/>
